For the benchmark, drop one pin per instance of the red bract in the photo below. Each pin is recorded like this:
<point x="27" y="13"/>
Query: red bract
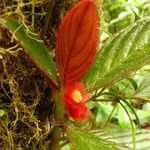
<point x="75" y="52"/>
<point x="76" y="42"/>
<point x="74" y="100"/>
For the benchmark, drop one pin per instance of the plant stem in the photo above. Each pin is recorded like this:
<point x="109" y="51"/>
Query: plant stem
<point x="55" y="138"/>
<point x="109" y="116"/>
<point x="132" y="126"/>
<point x="33" y="13"/>
<point x="59" y="118"/>
<point x="49" y="16"/>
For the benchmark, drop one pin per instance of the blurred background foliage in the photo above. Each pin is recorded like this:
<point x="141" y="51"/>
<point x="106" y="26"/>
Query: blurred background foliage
<point x="119" y="14"/>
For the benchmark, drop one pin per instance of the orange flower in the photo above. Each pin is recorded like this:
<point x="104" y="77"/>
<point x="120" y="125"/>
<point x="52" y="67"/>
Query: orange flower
<point x="74" y="99"/>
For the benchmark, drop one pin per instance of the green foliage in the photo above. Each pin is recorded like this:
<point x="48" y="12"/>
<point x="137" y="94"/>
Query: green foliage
<point x="33" y="46"/>
<point x="121" y="13"/>
<point x="108" y="139"/>
<point x="123" y="118"/>
<point x="86" y="141"/>
<point x="144" y="87"/>
<point x="144" y="115"/>
<point x="125" y="53"/>
<point x="101" y="112"/>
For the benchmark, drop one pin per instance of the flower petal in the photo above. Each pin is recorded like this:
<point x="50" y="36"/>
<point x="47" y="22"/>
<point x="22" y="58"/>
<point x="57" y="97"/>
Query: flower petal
<point x="78" y="87"/>
<point x="76" y="111"/>
<point x="74" y="104"/>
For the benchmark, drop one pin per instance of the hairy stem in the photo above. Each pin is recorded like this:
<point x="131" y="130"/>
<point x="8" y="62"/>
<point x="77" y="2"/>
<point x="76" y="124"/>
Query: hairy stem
<point x="59" y="118"/>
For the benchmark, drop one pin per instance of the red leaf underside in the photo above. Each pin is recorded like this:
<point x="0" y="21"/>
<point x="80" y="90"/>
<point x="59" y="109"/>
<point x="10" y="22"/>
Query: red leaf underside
<point x="76" y="42"/>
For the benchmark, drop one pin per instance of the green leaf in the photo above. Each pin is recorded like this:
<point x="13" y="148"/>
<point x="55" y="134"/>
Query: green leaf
<point x="133" y="82"/>
<point x="86" y="141"/>
<point x="144" y="87"/>
<point x="108" y="139"/>
<point x="123" y="138"/>
<point x="2" y="113"/>
<point x="128" y="51"/>
<point x="33" y="46"/>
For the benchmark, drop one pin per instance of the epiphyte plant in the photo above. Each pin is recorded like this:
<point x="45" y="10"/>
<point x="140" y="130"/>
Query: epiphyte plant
<point x="75" y="52"/>
<point x="78" y="71"/>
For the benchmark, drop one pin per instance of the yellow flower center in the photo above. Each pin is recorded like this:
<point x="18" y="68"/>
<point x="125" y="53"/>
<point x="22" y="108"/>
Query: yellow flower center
<point x="77" y="96"/>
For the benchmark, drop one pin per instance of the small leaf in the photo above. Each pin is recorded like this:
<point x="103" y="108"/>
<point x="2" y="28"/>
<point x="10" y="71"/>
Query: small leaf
<point x="125" y="53"/>
<point x="33" y="46"/>
<point x="144" y="87"/>
<point x="77" y="41"/>
<point x="2" y="113"/>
